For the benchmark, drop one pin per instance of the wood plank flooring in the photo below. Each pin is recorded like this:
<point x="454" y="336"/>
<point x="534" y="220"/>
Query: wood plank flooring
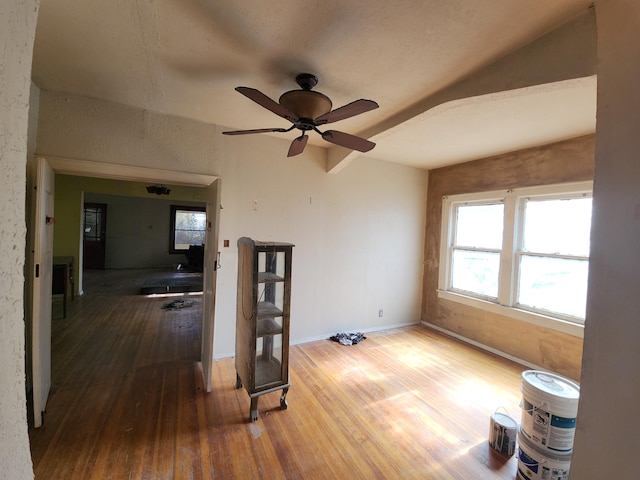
<point x="127" y="402"/>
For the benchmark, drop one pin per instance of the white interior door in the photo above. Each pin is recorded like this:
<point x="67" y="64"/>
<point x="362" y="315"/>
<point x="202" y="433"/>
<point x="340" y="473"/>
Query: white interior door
<point x="210" y="275"/>
<point x="42" y="271"/>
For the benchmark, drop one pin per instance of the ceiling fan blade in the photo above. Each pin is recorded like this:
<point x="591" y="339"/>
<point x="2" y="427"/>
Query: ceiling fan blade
<point x="349" y="110"/>
<point x="264" y="101"/>
<point x="348" y="141"/>
<point x="297" y="146"/>
<point x="258" y="130"/>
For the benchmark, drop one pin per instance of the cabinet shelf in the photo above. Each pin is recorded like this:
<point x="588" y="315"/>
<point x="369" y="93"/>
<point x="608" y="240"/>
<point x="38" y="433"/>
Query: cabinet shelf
<point x="268" y="309"/>
<point x="268" y="277"/>
<point x="268" y="326"/>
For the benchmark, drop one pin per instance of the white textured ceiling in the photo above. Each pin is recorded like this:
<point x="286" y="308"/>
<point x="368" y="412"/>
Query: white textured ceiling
<point x="185" y="57"/>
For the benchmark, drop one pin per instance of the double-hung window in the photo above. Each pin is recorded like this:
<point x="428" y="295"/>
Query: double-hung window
<point x="522" y="253"/>
<point x="188" y="227"/>
<point x="476" y="248"/>
<point x="553" y="255"/>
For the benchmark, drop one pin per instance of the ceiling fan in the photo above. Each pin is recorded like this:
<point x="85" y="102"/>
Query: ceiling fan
<point x="307" y="110"/>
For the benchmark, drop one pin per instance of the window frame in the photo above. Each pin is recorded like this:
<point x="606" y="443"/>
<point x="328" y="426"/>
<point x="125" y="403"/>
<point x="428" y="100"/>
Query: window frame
<point x="172" y="227"/>
<point x="453" y="247"/>
<point x="513" y="230"/>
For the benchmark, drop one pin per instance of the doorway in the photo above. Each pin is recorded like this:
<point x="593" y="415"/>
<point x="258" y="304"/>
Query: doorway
<point x="94" y="237"/>
<point x="130" y="173"/>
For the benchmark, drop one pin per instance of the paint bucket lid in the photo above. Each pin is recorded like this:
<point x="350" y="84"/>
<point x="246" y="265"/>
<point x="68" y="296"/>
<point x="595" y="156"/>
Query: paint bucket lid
<point x="551" y="384"/>
<point x="504" y="420"/>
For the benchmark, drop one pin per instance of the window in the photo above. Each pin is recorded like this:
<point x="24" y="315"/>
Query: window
<point x="524" y="250"/>
<point x="553" y="258"/>
<point x="475" y="253"/>
<point x="188" y="227"/>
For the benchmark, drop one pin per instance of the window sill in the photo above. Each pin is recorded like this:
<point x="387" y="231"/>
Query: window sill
<point x="558" y="325"/>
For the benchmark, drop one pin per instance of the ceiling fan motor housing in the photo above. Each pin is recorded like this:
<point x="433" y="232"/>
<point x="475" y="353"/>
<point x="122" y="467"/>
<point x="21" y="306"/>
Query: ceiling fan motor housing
<point x="306" y="104"/>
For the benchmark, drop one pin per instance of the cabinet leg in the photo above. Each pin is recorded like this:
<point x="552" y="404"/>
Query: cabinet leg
<point x="283" y="398"/>
<point x="238" y="382"/>
<point x="254" y="409"/>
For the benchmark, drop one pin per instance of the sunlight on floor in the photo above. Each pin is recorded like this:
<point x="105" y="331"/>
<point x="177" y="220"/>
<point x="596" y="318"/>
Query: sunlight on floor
<point x="478" y="392"/>
<point x="415" y="360"/>
<point x="360" y="373"/>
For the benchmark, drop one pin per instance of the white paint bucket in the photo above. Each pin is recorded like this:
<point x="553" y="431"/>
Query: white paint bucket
<point x="549" y="410"/>
<point x="534" y="464"/>
<point x="502" y="433"/>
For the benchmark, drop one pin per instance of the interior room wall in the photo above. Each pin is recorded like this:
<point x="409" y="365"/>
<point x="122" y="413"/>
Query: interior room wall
<point x="138" y="231"/>
<point x="359" y="235"/>
<point x="568" y="161"/>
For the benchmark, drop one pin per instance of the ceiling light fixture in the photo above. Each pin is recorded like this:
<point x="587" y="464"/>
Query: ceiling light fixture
<point x="158" y="189"/>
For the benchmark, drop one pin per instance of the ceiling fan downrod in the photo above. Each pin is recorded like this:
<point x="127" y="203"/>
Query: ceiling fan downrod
<point x="306" y="80"/>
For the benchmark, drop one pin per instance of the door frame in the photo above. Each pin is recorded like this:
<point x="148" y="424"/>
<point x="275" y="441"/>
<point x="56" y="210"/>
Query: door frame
<point x="102" y="233"/>
<point x="86" y="168"/>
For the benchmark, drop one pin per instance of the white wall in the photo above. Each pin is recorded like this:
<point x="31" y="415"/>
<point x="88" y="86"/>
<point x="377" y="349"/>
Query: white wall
<point x="358" y="239"/>
<point x="606" y="444"/>
<point x="359" y="234"/>
<point x="17" y="31"/>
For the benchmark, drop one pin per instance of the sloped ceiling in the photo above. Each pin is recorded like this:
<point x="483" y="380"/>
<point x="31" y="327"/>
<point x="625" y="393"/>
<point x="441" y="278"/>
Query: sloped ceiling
<point x="455" y="80"/>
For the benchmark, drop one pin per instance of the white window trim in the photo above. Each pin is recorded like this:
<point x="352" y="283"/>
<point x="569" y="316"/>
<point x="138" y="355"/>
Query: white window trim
<point x="507" y="274"/>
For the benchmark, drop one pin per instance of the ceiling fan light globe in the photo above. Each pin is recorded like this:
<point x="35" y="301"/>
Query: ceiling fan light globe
<point x="306" y="104"/>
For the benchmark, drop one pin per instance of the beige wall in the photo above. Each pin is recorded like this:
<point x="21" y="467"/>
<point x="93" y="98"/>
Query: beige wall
<point x="359" y="235"/>
<point x="17" y="30"/>
<point x="568" y="161"/>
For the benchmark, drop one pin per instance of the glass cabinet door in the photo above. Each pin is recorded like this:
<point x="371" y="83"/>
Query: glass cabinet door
<point x="269" y="340"/>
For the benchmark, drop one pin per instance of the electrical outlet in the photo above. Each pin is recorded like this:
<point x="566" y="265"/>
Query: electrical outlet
<point x="380" y="312"/>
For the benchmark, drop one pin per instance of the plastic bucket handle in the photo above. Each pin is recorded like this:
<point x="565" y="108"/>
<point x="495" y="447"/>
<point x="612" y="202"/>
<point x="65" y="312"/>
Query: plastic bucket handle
<point x="543" y="406"/>
<point x="501" y="444"/>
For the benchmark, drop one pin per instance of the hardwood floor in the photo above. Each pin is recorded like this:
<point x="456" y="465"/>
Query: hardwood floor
<point x="127" y="402"/>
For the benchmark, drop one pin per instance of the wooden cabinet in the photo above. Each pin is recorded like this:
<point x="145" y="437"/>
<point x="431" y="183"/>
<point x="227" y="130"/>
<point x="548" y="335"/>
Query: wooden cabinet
<point x="262" y="319"/>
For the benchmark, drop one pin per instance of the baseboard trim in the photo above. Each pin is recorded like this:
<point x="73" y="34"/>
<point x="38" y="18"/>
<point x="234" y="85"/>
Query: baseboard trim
<point x="327" y="335"/>
<point x="361" y="330"/>
<point x="482" y="346"/>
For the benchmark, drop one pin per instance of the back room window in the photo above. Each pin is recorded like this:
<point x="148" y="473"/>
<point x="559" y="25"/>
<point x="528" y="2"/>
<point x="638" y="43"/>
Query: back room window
<point x="188" y="227"/>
